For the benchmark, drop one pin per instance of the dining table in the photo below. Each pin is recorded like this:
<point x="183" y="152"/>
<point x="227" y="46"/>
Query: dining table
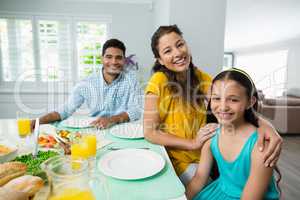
<point x="164" y="185"/>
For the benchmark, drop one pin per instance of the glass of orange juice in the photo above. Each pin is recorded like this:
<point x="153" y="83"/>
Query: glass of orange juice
<point x="23" y="123"/>
<point x="91" y="141"/>
<point x="79" y="149"/>
<point x="86" y="148"/>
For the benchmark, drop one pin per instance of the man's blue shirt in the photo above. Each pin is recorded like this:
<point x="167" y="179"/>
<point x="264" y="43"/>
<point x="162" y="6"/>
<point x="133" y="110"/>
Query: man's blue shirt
<point x="106" y="100"/>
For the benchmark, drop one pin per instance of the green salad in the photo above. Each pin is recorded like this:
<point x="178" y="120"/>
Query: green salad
<point x="34" y="163"/>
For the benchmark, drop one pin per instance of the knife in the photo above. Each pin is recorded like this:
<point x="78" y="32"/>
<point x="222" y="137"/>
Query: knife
<point x="36" y="137"/>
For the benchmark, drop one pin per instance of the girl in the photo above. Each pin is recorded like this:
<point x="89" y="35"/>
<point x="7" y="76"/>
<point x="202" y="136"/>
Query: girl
<point x="243" y="174"/>
<point x="175" y="113"/>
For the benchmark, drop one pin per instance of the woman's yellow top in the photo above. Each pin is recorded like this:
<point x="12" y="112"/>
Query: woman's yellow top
<point x="179" y="118"/>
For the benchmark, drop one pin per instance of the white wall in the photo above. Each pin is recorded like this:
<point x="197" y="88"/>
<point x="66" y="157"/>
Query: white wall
<point x="293" y="59"/>
<point x="293" y="71"/>
<point x="161" y="13"/>
<point x="202" y="23"/>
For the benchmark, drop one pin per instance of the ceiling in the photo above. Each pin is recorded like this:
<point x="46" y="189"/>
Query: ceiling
<point x="259" y="22"/>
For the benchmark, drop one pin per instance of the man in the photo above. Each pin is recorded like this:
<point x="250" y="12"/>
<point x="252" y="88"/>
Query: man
<point x="112" y="95"/>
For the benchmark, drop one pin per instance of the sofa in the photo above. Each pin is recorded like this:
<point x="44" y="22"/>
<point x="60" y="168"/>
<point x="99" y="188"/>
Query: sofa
<point x="283" y="112"/>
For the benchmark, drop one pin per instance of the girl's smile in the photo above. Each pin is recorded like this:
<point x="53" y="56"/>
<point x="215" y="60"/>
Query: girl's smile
<point x="229" y="102"/>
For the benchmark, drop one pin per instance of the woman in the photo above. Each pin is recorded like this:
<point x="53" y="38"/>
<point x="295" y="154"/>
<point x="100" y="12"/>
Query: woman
<point x="175" y="112"/>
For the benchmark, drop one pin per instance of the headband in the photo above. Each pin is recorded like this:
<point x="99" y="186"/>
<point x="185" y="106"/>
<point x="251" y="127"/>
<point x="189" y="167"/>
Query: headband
<point x="242" y="72"/>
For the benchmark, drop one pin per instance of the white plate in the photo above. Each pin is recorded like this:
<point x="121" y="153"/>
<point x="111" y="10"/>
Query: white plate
<point x="128" y="131"/>
<point x="11" y="155"/>
<point x="78" y="122"/>
<point x="47" y="129"/>
<point x="131" y="164"/>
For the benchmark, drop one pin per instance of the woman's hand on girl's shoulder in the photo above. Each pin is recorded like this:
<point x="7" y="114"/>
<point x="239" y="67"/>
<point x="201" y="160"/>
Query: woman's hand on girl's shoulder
<point x="271" y="152"/>
<point x="205" y="133"/>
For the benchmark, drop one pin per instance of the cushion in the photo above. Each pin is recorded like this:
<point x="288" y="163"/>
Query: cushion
<point x="295" y="92"/>
<point x="285" y="100"/>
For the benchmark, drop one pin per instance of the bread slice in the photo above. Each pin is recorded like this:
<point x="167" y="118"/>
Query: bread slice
<point x="11" y="170"/>
<point x="27" y="183"/>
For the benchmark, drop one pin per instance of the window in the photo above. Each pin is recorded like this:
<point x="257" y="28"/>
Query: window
<point x="16" y="48"/>
<point x="228" y="60"/>
<point x="40" y="48"/>
<point x="268" y="70"/>
<point x="90" y="37"/>
<point x="53" y="44"/>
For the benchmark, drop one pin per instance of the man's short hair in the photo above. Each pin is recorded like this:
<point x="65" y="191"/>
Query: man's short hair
<point x="113" y="43"/>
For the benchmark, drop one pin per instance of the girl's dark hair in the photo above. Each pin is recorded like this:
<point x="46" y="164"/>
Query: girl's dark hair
<point x="244" y="80"/>
<point x="250" y="115"/>
<point x="190" y="90"/>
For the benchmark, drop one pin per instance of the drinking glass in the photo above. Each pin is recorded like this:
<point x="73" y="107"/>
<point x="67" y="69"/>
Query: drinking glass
<point x="23" y="123"/>
<point x="86" y="148"/>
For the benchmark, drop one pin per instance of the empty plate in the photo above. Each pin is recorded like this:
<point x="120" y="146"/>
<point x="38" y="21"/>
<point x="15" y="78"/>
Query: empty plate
<point x="131" y="164"/>
<point x="128" y="131"/>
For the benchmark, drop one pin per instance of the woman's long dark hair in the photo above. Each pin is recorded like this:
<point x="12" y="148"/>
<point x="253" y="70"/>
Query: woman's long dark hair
<point x="188" y="89"/>
<point x="242" y="78"/>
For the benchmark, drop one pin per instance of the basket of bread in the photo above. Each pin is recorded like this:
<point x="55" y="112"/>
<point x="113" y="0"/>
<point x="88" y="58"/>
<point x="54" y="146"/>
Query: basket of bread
<point x="16" y="184"/>
<point x="23" y="178"/>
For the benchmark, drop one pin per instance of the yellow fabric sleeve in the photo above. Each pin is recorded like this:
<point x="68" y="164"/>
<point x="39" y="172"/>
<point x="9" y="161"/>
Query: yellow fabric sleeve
<point x="156" y="83"/>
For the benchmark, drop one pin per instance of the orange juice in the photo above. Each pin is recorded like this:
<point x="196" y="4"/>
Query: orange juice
<point x="91" y="142"/>
<point x="80" y="150"/>
<point x="85" y="148"/>
<point x="24" y="127"/>
<point x="74" y="194"/>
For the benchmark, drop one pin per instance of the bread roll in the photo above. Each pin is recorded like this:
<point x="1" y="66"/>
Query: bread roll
<point x="27" y="184"/>
<point x="11" y="170"/>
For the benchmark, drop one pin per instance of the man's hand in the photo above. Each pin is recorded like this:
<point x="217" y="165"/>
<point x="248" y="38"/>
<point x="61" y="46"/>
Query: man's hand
<point x="268" y="133"/>
<point x="48" y="118"/>
<point x="102" y="122"/>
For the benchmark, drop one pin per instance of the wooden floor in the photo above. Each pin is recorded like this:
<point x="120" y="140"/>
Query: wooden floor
<point x="289" y="165"/>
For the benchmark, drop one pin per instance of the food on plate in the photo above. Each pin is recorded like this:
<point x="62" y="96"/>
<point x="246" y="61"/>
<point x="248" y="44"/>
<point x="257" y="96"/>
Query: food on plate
<point x="68" y="136"/>
<point x="64" y="134"/>
<point x="33" y="163"/>
<point x="27" y="183"/>
<point x="47" y="141"/>
<point x="4" y="150"/>
<point x="11" y="170"/>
